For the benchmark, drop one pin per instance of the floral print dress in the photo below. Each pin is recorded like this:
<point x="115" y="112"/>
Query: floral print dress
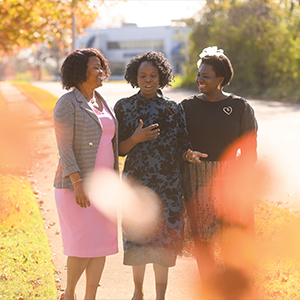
<point x="154" y="166"/>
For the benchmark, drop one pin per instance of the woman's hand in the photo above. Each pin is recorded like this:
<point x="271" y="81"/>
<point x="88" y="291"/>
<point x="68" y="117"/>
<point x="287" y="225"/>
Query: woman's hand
<point x="140" y="135"/>
<point x="193" y="156"/>
<point x="145" y="134"/>
<point x="79" y="191"/>
<point x="81" y="197"/>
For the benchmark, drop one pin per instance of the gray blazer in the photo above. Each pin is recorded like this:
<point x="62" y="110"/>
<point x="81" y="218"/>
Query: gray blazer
<point x="78" y="133"/>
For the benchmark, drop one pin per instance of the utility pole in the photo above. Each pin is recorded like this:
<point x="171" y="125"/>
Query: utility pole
<point x="73" y="24"/>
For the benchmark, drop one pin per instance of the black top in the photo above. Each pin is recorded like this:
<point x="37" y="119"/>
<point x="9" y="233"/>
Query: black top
<point x="213" y="126"/>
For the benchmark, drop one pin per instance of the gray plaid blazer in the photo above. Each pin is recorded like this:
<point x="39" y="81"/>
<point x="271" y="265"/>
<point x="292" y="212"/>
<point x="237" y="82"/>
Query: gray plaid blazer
<point x="78" y="133"/>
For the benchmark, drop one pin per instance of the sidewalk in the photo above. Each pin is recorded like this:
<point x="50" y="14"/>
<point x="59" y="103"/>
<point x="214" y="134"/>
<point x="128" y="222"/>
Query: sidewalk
<point x="116" y="282"/>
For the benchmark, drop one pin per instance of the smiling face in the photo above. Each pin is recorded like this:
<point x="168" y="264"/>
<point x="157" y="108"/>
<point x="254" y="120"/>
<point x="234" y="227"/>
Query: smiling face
<point x="207" y="80"/>
<point x="94" y="73"/>
<point x="148" y="79"/>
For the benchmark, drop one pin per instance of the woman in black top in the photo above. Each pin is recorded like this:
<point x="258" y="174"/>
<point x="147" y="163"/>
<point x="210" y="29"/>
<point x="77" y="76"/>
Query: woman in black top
<point x="222" y="125"/>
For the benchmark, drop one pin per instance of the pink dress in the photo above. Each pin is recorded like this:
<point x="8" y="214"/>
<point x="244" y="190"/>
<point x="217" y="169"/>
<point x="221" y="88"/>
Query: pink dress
<point x="87" y="232"/>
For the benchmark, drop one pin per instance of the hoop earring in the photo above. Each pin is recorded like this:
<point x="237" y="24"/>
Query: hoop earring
<point x="219" y="86"/>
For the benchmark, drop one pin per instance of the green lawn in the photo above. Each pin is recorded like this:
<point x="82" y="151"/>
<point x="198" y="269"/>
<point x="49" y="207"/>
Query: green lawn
<point x="26" y="267"/>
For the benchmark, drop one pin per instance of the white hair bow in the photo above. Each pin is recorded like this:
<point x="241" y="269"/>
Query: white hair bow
<point x="210" y="51"/>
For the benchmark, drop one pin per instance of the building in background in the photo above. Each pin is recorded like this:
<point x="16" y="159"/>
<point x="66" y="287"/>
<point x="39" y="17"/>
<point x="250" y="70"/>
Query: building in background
<point x="119" y="45"/>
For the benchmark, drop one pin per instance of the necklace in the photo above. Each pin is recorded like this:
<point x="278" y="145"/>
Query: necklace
<point x="96" y="104"/>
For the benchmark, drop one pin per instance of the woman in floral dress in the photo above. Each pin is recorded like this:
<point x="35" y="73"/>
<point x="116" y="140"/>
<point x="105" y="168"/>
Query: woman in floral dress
<point x="153" y="135"/>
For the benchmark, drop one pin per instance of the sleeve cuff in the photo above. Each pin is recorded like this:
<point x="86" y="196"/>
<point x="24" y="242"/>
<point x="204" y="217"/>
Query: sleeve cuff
<point x="70" y="170"/>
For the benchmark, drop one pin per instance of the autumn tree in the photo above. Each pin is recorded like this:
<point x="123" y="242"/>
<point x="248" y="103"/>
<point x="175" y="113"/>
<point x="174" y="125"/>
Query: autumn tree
<point x="26" y="22"/>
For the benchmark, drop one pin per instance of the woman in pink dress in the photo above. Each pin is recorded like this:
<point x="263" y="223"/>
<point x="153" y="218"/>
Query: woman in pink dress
<point x="85" y="128"/>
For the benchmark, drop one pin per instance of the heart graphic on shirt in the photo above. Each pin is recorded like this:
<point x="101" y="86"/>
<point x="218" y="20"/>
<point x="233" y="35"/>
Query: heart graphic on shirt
<point x="227" y="110"/>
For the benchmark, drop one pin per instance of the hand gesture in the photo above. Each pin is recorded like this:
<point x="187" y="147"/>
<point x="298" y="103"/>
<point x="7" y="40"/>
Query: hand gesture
<point x="145" y="134"/>
<point x="194" y="156"/>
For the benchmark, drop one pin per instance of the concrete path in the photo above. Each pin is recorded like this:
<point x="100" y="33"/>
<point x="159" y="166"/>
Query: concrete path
<point x="116" y="282"/>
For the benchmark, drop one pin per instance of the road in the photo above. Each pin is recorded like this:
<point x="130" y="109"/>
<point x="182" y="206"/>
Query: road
<point x="278" y="138"/>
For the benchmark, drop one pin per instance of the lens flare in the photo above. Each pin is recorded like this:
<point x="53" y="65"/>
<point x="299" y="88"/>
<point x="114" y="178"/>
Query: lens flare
<point x="138" y="204"/>
<point x="227" y="262"/>
<point x="16" y="146"/>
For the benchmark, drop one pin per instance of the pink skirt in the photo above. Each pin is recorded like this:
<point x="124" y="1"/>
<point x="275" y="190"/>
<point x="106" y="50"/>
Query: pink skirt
<point x="86" y="232"/>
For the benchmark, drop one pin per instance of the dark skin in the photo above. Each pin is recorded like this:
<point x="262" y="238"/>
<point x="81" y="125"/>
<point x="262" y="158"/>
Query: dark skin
<point x="209" y="84"/>
<point x="148" y="81"/>
<point x="93" y="267"/>
<point x="210" y="87"/>
<point x="94" y="76"/>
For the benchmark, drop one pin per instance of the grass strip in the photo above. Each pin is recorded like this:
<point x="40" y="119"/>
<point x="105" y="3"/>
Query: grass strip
<point x="26" y="268"/>
<point x="42" y="98"/>
<point x="45" y="100"/>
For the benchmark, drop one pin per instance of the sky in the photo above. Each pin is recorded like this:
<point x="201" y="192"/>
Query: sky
<point x="145" y="13"/>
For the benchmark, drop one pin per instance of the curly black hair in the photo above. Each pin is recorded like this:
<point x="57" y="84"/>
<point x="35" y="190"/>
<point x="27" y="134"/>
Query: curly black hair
<point x="221" y="66"/>
<point x="158" y="60"/>
<point x="73" y="69"/>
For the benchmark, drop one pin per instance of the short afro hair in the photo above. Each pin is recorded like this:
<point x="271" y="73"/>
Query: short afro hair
<point x="158" y="60"/>
<point x="73" y="69"/>
<point x="221" y="66"/>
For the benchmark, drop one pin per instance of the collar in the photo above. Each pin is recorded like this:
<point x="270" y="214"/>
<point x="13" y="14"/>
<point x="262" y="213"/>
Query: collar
<point x="78" y="95"/>
<point x="159" y="96"/>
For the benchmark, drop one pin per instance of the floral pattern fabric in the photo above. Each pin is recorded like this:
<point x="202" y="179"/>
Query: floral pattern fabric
<point x="154" y="164"/>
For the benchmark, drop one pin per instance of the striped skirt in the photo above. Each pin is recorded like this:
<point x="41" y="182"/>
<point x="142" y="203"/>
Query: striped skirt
<point x="216" y="196"/>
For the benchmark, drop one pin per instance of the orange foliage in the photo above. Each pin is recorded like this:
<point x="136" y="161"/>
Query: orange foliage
<point x="24" y="23"/>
